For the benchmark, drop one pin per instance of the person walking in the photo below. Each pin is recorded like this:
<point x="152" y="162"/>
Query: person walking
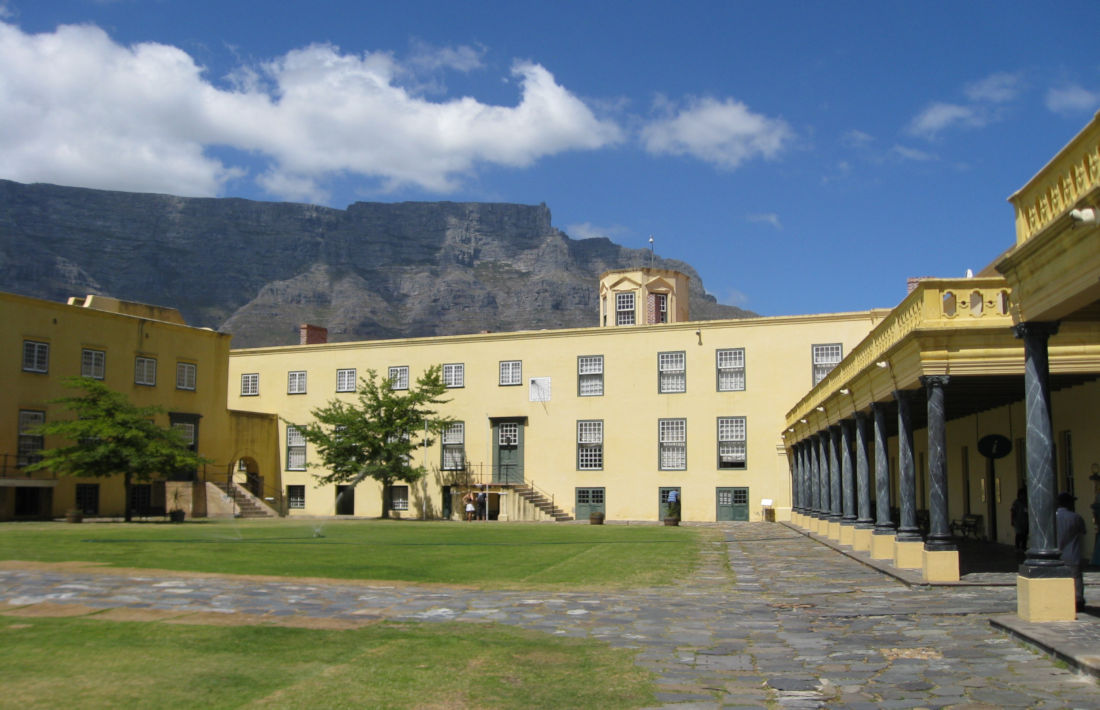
<point x="1071" y="531"/>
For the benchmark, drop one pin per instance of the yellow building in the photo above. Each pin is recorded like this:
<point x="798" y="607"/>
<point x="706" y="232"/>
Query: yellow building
<point x="607" y="419"/>
<point x="146" y="352"/>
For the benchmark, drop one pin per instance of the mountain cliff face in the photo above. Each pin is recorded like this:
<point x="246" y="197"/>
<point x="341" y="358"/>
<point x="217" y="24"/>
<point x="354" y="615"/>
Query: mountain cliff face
<point x="258" y="269"/>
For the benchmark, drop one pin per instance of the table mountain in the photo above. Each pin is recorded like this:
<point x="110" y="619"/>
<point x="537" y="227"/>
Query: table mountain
<point x="258" y="269"/>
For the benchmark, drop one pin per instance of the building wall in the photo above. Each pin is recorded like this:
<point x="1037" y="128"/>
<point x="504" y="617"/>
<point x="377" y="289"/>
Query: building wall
<point x="67" y="330"/>
<point x="778" y="369"/>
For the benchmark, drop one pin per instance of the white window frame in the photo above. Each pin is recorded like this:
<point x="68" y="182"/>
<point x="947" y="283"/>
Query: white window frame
<point x="590" y="445"/>
<point x="36" y="356"/>
<point x="452" y="439"/>
<point x="396" y="502"/>
<point x="399" y="377"/>
<point x="186" y="375"/>
<point x="625" y="309"/>
<point x="345" y="379"/>
<point x="508" y="434"/>
<point x="590" y="376"/>
<point x="296" y="497"/>
<point x="730" y="365"/>
<point x="454" y="374"/>
<point x="250" y="384"/>
<point x="826" y="356"/>
<point x="145" y="371"/>
<point x="295" y="449"/>
<point x="732" y="443"/>
<point x="672" y="372"/>
<point x="186" y="430"/>
<point x="93" y="363"/>
<point x="511" y="373"/>
<point x="672" y="444"/>
<point x="29" y="445"/>
<point x="296" y="382"/>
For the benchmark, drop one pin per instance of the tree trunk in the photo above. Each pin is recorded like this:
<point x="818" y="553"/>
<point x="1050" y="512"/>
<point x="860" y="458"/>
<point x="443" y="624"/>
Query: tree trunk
<point x="126" y="496"/>
<point x="386" y="498"/>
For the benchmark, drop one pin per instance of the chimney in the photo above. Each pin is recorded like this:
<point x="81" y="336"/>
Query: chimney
<point x="312" y="334"/>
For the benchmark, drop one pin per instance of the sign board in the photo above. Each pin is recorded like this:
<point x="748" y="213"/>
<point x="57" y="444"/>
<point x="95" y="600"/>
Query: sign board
<point x="994" y="446"/>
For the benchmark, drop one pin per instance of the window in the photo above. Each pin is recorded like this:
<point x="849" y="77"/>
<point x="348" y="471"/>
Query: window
<point x="345" y="380"/>
<point x="295" y="449"/>
<point x="731" y="370"/>
<point x="511" y="372"/>
<point x="658" y="308"/>
<point x="672" y="444"/>
<point x="145" y="371"/>
<point x="399" y="497"/>
<point x="399" y="378"/>
<point x="671" y="372"/>
<point x="250" y="384"/>
<point x="624" y="309"/>
<point x="92" y="363"/>
<point x="454" y="447"/>
<point x="508" y="434"/>
<point x="87" y="498"/>
<point x="825" y="359"/>
<point x="296" y="497"/>
<point x="186" y="431"/>
<point x="36" y="356"/>
<point x="590" y="375"/>
<point x="731" y="442"/>
<point x="589" y="445"/>
<point x="454" y="375"/>
<point x="296" y="382"/>
<point x="185" y="375"/>
<point x="30" y="443"/>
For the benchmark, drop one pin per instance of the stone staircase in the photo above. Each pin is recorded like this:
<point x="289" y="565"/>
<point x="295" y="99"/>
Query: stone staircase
<point x="541" y="502"/>
<point x="249" y="506"/>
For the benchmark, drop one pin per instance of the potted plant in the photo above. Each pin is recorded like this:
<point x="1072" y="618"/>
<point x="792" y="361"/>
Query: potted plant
<point x="74" y="515"/>
<point x="672" y="521"/>
<point x="596" y="518"/>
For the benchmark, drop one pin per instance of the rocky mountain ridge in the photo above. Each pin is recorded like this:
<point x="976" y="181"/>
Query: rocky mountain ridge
<point x="258" y="269"/>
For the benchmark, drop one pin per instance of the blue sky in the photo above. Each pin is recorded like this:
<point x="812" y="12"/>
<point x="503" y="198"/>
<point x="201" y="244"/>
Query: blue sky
<point x="804" y="157"/>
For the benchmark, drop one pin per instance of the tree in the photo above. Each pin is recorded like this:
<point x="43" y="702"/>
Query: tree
<point x="376" y="436"/>
<point x="111" y="435"/>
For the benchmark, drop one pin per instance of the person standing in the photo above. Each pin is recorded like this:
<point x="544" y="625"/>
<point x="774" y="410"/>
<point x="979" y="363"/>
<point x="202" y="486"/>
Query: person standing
<point x="674" y="504"/>
<point x="1071" y="531"/>
<point x="1018" y="512"/>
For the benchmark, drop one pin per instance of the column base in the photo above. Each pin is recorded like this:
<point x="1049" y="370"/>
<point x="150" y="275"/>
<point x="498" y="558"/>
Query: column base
<point x="847" y="530"/>
<point x="820" y="526"/>
<point x="908" y="555"/>
<point x="882" y="547"/>
<point x="1045" y="599"/>
<point x="796" y="519"/>
<point x="941" y="565"/>
<point x="832" y="530"/>
<point x="861" y="539"/>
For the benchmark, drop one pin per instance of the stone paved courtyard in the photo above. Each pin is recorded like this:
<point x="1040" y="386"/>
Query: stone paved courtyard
<point x="796" y="625"/>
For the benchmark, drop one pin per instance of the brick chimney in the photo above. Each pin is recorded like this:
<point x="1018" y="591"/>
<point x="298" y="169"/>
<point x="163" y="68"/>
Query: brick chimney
<point x="312" y="334"/>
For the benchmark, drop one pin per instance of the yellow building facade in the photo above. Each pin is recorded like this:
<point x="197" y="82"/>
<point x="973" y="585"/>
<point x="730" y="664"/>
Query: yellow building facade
<point x="605" y="419"/>
<point x="146" y="352"/>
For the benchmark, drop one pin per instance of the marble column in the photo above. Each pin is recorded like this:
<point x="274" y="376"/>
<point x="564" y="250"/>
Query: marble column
<point x="907" y="472"/>
<point x="796" y="479"/>
<point x="1043" y="557"/>
<point x="822" y="477"/>
<point x="884" y="524"/>
<point x="939" y="535"/>
<point x="863" y="475"/>
<point x="848" y="474"/>
<point x="834" y="473"/>
<point x="815" y="483"/>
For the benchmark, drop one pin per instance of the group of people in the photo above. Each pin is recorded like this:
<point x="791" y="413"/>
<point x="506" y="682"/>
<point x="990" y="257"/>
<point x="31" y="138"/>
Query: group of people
<point x="476" y="505"/>
<point x="1070" y="529"/>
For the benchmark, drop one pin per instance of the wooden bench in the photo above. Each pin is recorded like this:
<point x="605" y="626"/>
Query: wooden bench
<point x="969" y="525"/>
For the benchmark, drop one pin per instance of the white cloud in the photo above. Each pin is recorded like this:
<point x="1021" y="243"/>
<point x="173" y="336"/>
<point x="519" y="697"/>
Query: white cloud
<point x="766" y="218"/>
<point x="912" y="154"/>
<point x="587" y="230"/>
<point x="857" y="139"/>
<point x="461" y="58"/>
<point x="725" y="133"/>
<point x="733" y="297"/>
<point x="80" y="109"/>
<point x="995" y="88"/>
<point x="1071" y="98"/>
<point x="940" y="116"/>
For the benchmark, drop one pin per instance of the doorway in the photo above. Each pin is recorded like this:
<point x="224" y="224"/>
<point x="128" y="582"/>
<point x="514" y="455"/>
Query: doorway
<point x="345" y="500"/>
<point x="507" y="450"/>
<point x="732" y="504"/>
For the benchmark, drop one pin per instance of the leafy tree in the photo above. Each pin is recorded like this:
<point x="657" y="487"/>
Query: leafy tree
<point x="111" y="435"/>
<point x="376" y="436"/>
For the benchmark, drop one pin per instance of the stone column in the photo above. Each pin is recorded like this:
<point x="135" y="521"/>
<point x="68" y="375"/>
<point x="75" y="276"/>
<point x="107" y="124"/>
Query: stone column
<point x="861" y="539"/>
<point x="1044" y="588"/>
<point x="941" y="557"/>
<point x="833" y="436"/>
<point x="847" y="484"/>
<point x="908" y="545"/>
<point x="822" y="483"/>
<point x="882" y="540"/>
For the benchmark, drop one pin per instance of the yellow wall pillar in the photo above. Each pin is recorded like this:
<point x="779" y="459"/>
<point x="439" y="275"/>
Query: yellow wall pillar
<point x="940" y="565"/>
<point x="1045" y="599"/>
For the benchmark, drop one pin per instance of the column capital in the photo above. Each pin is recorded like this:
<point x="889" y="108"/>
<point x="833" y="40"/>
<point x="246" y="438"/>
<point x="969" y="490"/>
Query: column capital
<point x="930" y="381"/>
<point x="1035" y="329"/>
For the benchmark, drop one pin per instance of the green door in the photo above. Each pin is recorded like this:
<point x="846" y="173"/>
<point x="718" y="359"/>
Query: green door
<point x="733" y="504"/>
<point x="664" y="509"/>
<point x="446" y="513"/>
<point x="589" y="500"/>
<point x="507" y="451"/>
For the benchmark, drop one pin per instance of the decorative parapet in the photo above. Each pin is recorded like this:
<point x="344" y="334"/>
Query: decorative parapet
<point x="1060" y="186"/>
<point x="935" y="304"/>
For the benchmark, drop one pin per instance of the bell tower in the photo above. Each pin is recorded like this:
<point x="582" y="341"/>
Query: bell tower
<point x="643" y="296"/>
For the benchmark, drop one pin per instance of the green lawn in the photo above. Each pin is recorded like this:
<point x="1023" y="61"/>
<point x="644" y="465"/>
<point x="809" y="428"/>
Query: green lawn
<point x="487" y="555"/>
<point x="89" y="663"/>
